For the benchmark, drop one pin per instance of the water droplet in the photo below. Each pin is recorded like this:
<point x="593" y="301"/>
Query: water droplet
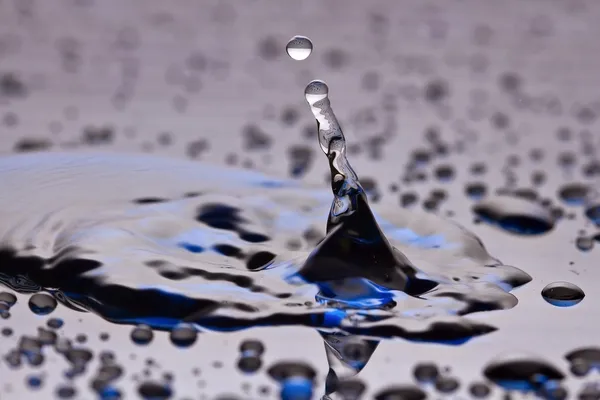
<point x="445" y="384"/>
<point x="479" y="390"/>
<point x="426" y="372"/>
<point x="42" y="304"/>
<point x="142" y="334"/>
<point x="573" y="193"/>
<point x="8" y="299"/>
<point x="522" y="372"/>
<point x="584" y="243"/>
<point x="515" y="215"/>
<point x="401" y="392"/>
<point x="183" y="335"/>
<point x="299" y="48"/>
<point x="476" y="190"/>
<point x="66" y="392"/>
<point x="563" y="294"/>
<point x="154" y="391"/>
<point x="34" y="381"/>
<point x="55" y="323"/>
<point x="252" y="347"/>
<point x="249" y="363"/>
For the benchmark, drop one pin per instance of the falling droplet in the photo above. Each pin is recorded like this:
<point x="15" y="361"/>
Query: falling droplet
<point x="563" y="294"/>
<point x="299" y="48"/>
<point x="42" y="304"/>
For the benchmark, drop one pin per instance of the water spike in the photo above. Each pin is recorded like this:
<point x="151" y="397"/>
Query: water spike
<point x="355" y="246"/>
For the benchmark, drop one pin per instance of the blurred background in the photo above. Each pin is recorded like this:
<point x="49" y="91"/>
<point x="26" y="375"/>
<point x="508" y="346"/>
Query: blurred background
<point x="503" y="94"/>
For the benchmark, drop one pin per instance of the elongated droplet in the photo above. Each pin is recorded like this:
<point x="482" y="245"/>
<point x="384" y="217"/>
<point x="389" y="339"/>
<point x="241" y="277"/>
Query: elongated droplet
<point x="299" y="48"/>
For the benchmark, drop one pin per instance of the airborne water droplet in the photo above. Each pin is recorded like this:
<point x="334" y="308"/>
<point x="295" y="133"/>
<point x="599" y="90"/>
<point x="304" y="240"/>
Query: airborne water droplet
<point x="563" y="294"/>
<point x="299" y="48"/>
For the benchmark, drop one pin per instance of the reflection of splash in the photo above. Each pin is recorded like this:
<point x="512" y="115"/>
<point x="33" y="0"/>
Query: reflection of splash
<point x="160" y="262"/>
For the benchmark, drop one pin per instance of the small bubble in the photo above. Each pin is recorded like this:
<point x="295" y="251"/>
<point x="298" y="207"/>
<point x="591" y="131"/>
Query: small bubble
<point x="154" y="391"/>
<point x="479" y="390"/>
<point x="249" y="364"/>
<point x="299" y="48"/>
<point x="562" y="294"/>
<point x="446" y="384"/>
<point x="476" y="190"/>
<point x="8" y="298"/>
<point x="34" y="381"/>
<point x="584" y="243"/>
<point x="55" y="323"/>
<point x="183" y="335"/>
<point x="142" y="334"/>
<point x="66" y="392"/>
<point x="426" y="372"/>
<point x="580" y="367"/>
<point x="408" y="199"/>
<point x="42" y="304"/>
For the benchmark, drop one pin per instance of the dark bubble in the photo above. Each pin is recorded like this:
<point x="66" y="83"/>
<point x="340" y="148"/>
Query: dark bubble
<point x="593" y="213"/>
<point x="478" y="169"/>
<point x="436" y="91"/>
<point x="446" y="384"/>
<point x="249" y="364"/>
<point x="183" y="335"/>
<point x="476" y="190"/>
<point x="562" y="294"/>
<point x="479" y="390"/>
<point x="301" y="158"/>
<point x="284" y="370"/>
<point x="42" y="304"/>
<point x="259" y="260"/>
<point x="6" y="331"/>
<point x="8" y="298"/>
<point x="81" y="338"/>
<point x="444" y="173"/>
<point x="538" y="178"/>
<point x="584" y="243"/>
<point x="408" y="199"/>
<point x="522" y="372"/>
<point x="510" y="82"/>
<point x="255" y="138"/>
<point x="252" y="346"/>
<point x="55" y="323"/>
<point x="426" y="372"/>
<point x="401" y="392"/>
<point x="150" y="390"/>
<point x="66" y="392"/>
<point x="31" y="144"/>
<point x="142" y="334"/>
<point x="591" y="169"/>
<point x="500" y="120"/>
<point x="34" y="381"/>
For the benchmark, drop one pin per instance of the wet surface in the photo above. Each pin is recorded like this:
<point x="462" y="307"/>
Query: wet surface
<point x="475" y="143"/>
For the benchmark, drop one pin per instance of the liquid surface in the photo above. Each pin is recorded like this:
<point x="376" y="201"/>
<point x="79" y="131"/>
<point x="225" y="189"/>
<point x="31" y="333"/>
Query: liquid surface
<point x="189" y="257"/>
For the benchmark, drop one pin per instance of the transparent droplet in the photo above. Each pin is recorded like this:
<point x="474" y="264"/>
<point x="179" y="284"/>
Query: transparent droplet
<point x="42" y="304"/>
<point x="142" y="334"/>
<point x="299" y="48"/>
<point x="563" y="294"/>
